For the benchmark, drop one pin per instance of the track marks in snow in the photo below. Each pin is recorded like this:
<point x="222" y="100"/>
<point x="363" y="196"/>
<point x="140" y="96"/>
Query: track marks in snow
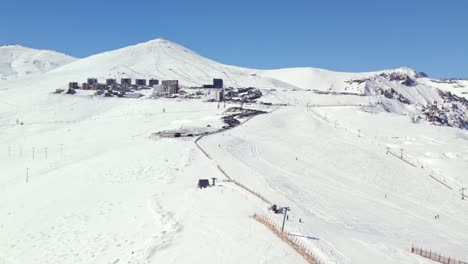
<point x="169" y="229"/>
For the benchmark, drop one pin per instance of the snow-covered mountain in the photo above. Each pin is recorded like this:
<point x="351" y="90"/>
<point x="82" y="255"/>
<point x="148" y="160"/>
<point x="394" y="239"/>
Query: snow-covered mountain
<point x="18" y="61"/>
<point x="402" y="91"/>
<point x="163" y="59"/>
<point x="86" y="179"/>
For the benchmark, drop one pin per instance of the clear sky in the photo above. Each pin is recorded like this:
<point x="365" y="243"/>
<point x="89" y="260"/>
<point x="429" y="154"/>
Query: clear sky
<point x="346" y="35"/>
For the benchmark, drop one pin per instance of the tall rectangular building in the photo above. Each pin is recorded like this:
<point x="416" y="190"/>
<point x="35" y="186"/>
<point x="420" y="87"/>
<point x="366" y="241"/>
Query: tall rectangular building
<point x="140" y="82"/>
<point x="219" y="96"/>
<point x="73" y="85"/>
<point x="218" y="83"/>
<point x="91" y="81"/>
<point x="171" y="86"/>
<point x="127" y="81"/>
<point x="153" y="82"/>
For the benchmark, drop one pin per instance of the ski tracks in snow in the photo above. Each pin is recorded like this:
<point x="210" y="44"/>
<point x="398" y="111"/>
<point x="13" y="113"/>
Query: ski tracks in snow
<point x="169" y="230"/>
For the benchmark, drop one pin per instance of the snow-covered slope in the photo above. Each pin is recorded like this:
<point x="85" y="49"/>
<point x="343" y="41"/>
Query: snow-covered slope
<point x="324" y="80"/>
<point x="18" y="61"/>
<point x="401" y="91"/>
<point x="162" y="59"/>
<point x="85" y="180"/>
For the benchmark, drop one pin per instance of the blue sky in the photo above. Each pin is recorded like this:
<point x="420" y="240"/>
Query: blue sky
<point x="429" y="36"/>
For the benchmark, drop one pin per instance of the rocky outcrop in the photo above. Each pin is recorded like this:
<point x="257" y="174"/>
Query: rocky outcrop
<point x="402" y="78"/>
<point x="451" y="112"/>
<point x="390" y="93"/>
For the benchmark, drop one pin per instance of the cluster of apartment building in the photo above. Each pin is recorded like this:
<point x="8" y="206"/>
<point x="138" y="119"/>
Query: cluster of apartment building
<point x="168" y="87"/>
<point x="128" y="87"/>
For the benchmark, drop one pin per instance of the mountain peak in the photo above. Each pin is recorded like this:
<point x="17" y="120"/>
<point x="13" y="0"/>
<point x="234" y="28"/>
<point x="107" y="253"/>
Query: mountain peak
<point x="12" y="46"/>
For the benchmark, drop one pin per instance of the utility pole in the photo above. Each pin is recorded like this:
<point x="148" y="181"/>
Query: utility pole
<point x="27" y="175"/>
<point x="33" y="152"/>
<point x="462" y="190"/>
<point x="388" y="150"/>
<point x="285" y="211"/>
<point x="401" y="153"/>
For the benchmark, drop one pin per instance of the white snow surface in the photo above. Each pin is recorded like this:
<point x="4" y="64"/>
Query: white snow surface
<point x="18" y="61"/>
<point x="84" y="179"/>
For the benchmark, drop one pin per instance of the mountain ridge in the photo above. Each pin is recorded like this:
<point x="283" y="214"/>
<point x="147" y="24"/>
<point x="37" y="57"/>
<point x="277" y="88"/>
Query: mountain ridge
<point x="19" y="61"/>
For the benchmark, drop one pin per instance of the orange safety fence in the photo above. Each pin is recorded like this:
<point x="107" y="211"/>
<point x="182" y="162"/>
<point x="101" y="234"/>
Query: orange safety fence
<point x="293" y="242"/>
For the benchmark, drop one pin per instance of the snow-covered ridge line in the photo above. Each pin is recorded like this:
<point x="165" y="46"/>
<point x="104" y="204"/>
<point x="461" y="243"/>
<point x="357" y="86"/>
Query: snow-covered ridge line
<point x="402" y="91"/>
<point x="18" y="61"/>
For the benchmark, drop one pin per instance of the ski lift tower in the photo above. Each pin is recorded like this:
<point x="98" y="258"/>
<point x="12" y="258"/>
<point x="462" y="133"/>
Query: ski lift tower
<point x="285" y="212"/>
<point x="462" y="191"/>
<point x="214" y="181"/>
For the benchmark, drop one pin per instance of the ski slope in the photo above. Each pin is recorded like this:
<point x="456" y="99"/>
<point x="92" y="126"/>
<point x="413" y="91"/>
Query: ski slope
<point x="109" y="192"/>
<point x="348" y="192"/>
<point x="84" y="179"/>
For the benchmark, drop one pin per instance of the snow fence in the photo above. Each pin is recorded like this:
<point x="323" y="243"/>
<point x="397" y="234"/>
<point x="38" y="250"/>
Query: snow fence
<point x="432" y="255"/>
<point x="293" y="242"/>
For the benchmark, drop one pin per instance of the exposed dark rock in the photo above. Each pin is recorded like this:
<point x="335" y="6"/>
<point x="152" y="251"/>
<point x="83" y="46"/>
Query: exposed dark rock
<point x="392" y="94"/>
<point x="452" y="112"/>
<point x="404" y="79"/>
<point x="421" y="75"/>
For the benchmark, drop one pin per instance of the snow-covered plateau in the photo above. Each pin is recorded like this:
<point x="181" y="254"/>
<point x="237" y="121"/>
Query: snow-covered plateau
<point x="369" y="164"/>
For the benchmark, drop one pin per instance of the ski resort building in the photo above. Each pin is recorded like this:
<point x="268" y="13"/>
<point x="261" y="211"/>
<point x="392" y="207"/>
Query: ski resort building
<point x="219" y="96"/>
<point x="92" y="81"/>
<point x="140" y="82"/>
<point x="218" y="83"/>
<point x="153" y="82"/>
<point x="203" y="183"/>
<point x="171" y="86"/>
<point x="86" y="86"/>
<point x="73" y="85"/>
<point x="127" y="81"/>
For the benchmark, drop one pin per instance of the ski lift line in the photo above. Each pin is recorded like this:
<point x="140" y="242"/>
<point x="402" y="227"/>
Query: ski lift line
<point x="188" y="63"/>
<point x="441" y="182"/>
<point x="404" y="159"/>
<point x="174" y="59"/>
